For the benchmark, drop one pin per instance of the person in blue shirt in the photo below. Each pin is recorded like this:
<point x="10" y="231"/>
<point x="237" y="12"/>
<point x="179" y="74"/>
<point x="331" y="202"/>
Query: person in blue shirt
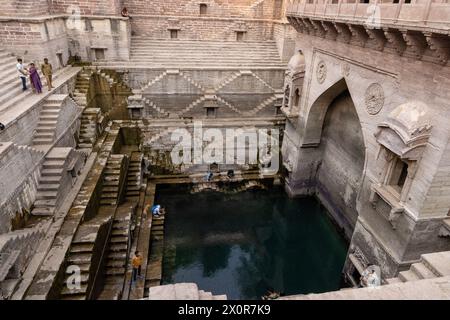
<point x="157" y="211"/>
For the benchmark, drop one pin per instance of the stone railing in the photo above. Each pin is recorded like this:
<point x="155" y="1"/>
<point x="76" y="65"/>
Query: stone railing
<point x="419" y="31"/>
<point x="427" y="14"/>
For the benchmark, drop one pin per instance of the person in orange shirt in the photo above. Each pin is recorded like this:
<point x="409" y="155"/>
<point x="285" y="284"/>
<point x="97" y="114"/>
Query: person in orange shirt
<point x="136" y="264"/>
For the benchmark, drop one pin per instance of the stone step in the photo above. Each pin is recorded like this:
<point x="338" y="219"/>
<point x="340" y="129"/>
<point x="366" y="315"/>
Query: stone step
<point x="393" y="280"/>
<point x="52" y="172"/>
<point x="40" y="141"/>
<point x="44" y="211"/>
<point x="44" y="195"/>
<point x="49" y="179"/>
<point x="46" y="129"/>
<point x="45" y="203"/>
<point x="115" y="271"/>
<point x="121" y="255"/>
<point x="438" y="263"/>
<point x="84" y="278"/>
<point x="66" y="291"/>
<point x="84" y="268"/>
<point x="51" y="164"/>
<point x="115" y="264"/>
<point x="408" y="275"/>
<point x="205" y="295"/>
<point x="119" y="232"/>
<point x="220" y="297"/>
<point x="44" y="136"/>
<point x="105" y="202"/>
<point x="114" y="189"/>
<point x="82" y="248"/>
<point x="48" y="187"/>
<point x="117" y="247"/>
<point x="118" y="239"/>
<point x="80" y="296"/>
<point x="78" y="258"/>
<point x="109" y="195"/>
<point x="422" y="271"/>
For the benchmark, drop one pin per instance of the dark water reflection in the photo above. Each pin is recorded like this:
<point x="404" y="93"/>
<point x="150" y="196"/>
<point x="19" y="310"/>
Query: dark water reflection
<point x="242" y="244"/>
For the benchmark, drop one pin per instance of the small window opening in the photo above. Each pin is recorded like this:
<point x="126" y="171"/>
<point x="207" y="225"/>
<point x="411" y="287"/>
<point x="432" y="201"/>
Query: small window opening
<point x="173" y="34"/>
<point x="99" y="54"/>
<point x="398" y="175"/>
<point x="240" y="35"/>
<point x="203" y="8"/>
<point x="210" y="112"/>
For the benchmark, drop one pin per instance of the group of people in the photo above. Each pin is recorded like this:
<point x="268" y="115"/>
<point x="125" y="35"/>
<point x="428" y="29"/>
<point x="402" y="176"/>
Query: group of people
<point x="157" y="211"/>
<point x="31" y="72"/>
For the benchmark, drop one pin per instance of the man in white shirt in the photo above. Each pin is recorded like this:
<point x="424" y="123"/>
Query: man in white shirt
<point x="22" y="74"/>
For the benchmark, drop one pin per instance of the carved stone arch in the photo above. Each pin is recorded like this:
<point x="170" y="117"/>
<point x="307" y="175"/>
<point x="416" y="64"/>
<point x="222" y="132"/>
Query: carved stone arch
<point x="316" y="115"/>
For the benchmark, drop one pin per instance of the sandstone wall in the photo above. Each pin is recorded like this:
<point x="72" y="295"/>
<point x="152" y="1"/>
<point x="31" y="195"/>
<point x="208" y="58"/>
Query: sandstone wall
<point x="24" y="8"/>
<point x="187" y="93"/>
<point x="332" y="66"/>
<point x="256" y="9"/>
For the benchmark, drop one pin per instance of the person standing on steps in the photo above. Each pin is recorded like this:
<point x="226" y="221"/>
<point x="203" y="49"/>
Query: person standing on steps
<point x="35" y="79"/>
<point x="23" y="73"/>
<point x="47" y="70"/>
<point x="136" y="263"/>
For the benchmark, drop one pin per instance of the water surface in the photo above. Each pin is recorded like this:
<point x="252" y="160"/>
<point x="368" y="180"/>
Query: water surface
<point x="242" y="244"/>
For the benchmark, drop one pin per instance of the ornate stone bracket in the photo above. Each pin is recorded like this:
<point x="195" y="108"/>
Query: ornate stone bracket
<point x="344" y="33"/>
<point x="395" y="38"/>
<point x="319" y="29"/>
<point x="376" y="38"/>
<point x="331" y="32"/>
<point x="440" y="45"/>
<point x="359" y="35"/>
<point x="416" y="43"/>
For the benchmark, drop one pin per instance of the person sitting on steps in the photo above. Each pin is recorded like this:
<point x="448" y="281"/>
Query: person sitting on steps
<point x="157" y="211"/>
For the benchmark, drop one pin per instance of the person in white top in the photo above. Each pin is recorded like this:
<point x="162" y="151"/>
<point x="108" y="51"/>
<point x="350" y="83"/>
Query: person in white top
<point x="23" y="73"/>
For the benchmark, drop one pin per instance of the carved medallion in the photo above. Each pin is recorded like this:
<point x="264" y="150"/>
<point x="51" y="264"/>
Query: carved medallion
<point x="321" y="72"/>
<point x="345" y="69"/>
<point x="374" y="98"/>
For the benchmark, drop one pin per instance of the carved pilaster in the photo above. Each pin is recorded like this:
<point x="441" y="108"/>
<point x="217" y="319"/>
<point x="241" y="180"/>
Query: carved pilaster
<point x="377" y="39"/>
<point x="331" y="32"/>
<point x="415" y="42"/>
<point x="359" y="35"/>
<point x="344" y="34"/>
<point x="440" y="45"/>
<point x="395" y="39"/>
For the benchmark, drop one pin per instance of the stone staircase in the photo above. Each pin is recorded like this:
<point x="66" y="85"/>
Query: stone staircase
<point x="16" y="247"/>
<point x="207" y="186"/>
<point x="88" y="128"/>
<point x="431" y="265"/>
<point x="199" y="54"/>
<point x="80" y="255"/>
<point x="90" y="116"/>
<point x="47" y="198"/>
<point x="112" y="180"/>
<point x="268" y="102"/>
<point x="153" y="275"/>
<point x="48" y="119"/>
<point x="87" y="251"/>
<point x="182" y="291"/>
<point x="118" y="253"/>
<point x="134" y="176"/>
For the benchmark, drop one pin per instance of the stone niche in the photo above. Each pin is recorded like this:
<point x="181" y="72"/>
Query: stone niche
<point x="135" y="106"/>
<point x="293" y="86"/>
<point x="403" y="137"/>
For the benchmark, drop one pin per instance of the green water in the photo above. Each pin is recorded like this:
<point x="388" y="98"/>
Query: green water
<point x="242" y="244"/>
